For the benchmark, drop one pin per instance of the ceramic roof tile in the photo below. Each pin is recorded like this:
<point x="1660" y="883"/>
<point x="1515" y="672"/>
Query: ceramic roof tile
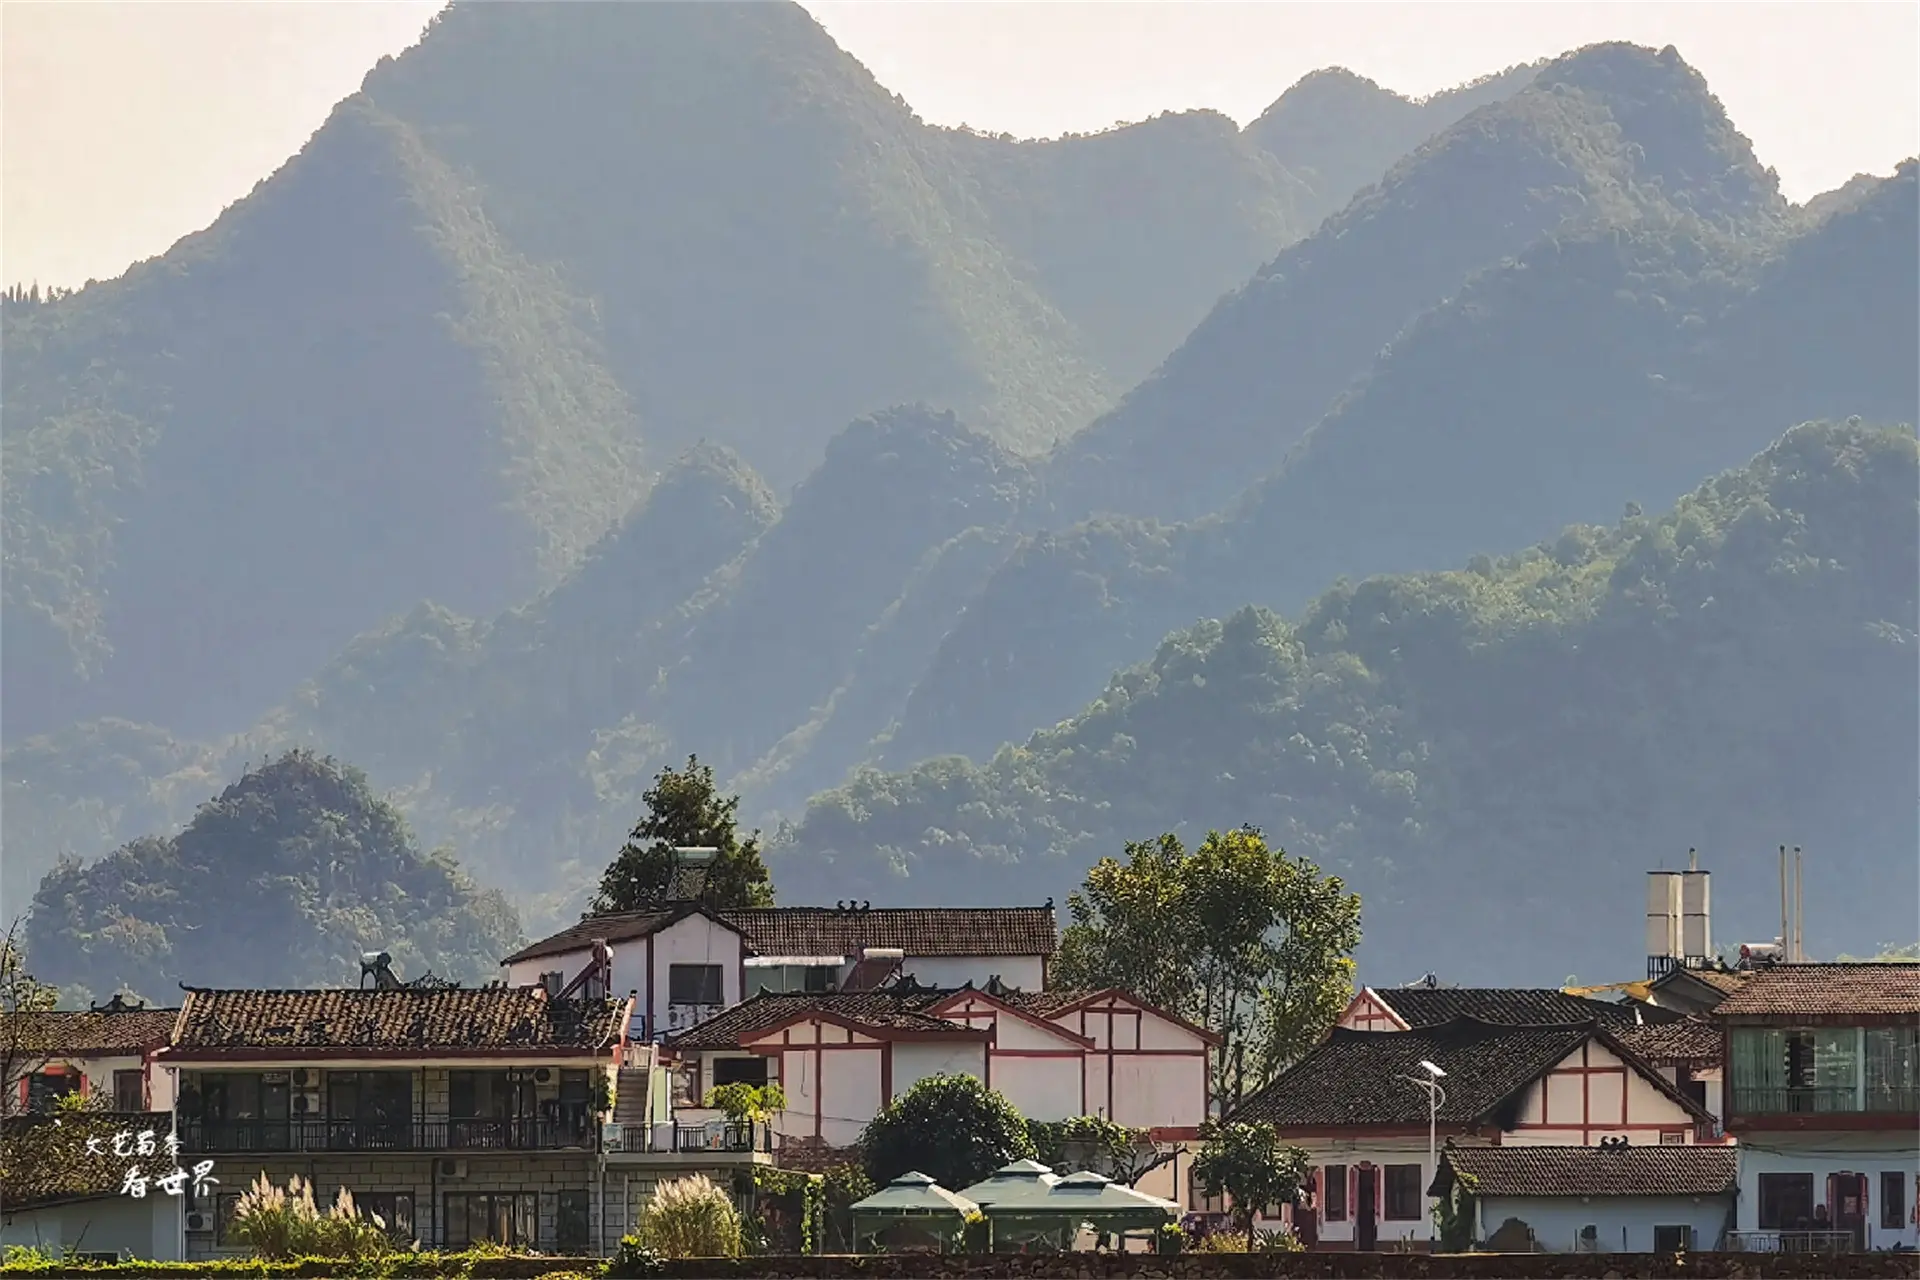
<point x="1528" y="1171"/>
<point x="1508" y="1006"/>
<point x="1826" y="990"/>
<point x="93" y="1033"/>
<point x="918" y="931"/>
<point x="44" y="1159"/>
<point x="406" y="1021"/>
<point x="1690" y="1041"/>
<point x="888" y="1008"/>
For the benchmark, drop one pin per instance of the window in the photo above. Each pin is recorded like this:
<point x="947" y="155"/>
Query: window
<point x="1893" y="1199"/>
<point x="1403" y="1193"/>
<point x="686" y="1085"/>
<point x="1786" y="1201"/>
<point x="571" y="1223"/>
<point x="751" y="1071"/>
<point x="1673" y="1239"/>
<point x="693" y="984"/>
<point x="129" y="1091"/>
<point x="1893" y="1068"/>
<point x="1333" y="1192"/>
<point x="223" y="1207"/>
<point x="505" y="1217"/>
<point x="393" y="1208"/>
<point x="487" y="1108"/>
<point x="44" y="1088"/>
<point x="1198" y="1199"/>
<point x="369" y="1108"/>
<point x="1673" y="1137"/>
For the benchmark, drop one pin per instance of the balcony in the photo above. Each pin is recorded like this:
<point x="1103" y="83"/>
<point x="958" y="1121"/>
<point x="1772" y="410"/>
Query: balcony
<point x="714" y="1138"/>
<point x="1791" y="1242"/>
<point x="435" y="1134"/>
<point x="1826" y="1101"/>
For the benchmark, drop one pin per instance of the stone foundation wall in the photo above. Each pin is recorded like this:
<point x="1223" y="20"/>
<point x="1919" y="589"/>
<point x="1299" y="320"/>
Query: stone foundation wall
<point x="1335" y="1266"/>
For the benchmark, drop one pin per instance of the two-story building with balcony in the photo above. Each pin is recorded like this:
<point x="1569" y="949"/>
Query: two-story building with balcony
<point x="104" y="1054"/>
<point x="1823" y="1093"/>
<point x="686" y="963"/>
<point x="458" y="1115"/>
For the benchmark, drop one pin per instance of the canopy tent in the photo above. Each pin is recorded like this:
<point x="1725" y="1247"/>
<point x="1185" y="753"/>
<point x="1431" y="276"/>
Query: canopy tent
<point x="1028" y="1201"/>
<point x="912" y="1200"/>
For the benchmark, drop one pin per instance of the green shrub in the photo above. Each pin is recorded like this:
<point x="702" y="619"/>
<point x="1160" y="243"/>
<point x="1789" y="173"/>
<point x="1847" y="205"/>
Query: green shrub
<point x="690" y="1218"/>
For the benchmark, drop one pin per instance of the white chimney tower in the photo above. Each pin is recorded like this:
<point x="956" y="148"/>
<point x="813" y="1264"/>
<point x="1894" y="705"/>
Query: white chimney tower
<point x="1663" y="921"/>
<point x="1696" y="920"/>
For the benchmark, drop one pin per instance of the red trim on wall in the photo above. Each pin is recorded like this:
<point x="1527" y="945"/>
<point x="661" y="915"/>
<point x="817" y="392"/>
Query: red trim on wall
<point x="653" y="1028"/>
<point x="1038" y="1053"/>
<point x="886" y="1073"/>
<point x="819" y="1089"/>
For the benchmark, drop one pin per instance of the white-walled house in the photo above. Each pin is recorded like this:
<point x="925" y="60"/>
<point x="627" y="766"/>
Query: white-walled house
<point x="686" y="963"/>
<point x="1355" y="1105"/>
<point x="1823" y="1092"/>
<point x="841" y="1056"/>
<point x="1576" y="1199"/>
<point x="106" y="1052"/>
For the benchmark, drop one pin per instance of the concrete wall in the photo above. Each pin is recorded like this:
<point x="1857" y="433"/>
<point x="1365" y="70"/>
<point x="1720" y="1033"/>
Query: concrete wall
<point x="1144" y="1069"/>
<point x="1622" y="1224"/>
<point x="1822" y="1154"/>
<point x="146" y="1228"/>
<point x="98" y="1073"/>
<point x="915" y="1060"/>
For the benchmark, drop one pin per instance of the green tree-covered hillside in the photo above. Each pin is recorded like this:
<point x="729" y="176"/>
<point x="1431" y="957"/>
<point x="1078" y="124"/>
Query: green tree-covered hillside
<point x="1501" y="751"/>
<point x="283" y="880"/>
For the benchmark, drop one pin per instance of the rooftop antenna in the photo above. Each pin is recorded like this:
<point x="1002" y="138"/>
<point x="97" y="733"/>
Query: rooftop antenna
<point x="1799" y="908"/>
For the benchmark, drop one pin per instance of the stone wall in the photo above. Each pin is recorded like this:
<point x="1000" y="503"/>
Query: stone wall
<point x="1335" y="1266"/>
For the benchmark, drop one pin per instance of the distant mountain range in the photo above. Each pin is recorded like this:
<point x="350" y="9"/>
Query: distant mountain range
<point x="471" y="458"/>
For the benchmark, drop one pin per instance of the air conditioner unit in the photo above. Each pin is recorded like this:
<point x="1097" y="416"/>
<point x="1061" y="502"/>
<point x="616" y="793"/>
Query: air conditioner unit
<point x="199" y="1220"/>
<point x="542" y="1075"/>
<point x="306" y="1078"/>
<point x="306" y="1104"/>
<point x="453" y="1168"/>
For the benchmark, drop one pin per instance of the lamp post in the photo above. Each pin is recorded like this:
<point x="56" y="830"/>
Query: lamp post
<point x="1436" y="1095"/>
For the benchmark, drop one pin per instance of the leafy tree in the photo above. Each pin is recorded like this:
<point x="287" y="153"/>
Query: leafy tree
<point x="1249" y="1164"/>
<point x="1253" y="944"/>
<point x="747" y="1102"/>
<point x="685" y="810"/>
<point x="23" y="1044"/>
<point x="952" y="1128"/>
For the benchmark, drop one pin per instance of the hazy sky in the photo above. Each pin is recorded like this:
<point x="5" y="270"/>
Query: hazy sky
<point x="130" y="123"/>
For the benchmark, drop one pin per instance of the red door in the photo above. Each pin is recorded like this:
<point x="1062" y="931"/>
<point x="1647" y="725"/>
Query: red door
<point x="1847" y="1205"/>
<point x="1366" y="1210"/>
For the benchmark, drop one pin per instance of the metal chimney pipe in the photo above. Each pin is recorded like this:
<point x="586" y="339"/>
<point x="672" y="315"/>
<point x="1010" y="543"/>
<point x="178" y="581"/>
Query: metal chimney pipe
<point x="1799" y="908"/>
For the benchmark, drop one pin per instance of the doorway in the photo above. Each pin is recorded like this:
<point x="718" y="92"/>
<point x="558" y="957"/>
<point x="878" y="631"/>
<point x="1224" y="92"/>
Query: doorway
<point x="1366" y="1227"/>
<point x="1847" y="1205"/>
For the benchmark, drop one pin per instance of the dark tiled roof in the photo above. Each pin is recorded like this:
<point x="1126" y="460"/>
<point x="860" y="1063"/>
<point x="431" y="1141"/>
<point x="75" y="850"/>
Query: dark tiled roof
<point x="410" y="1021"/>
<point x="1355" y="1077"/>
<point x="1689" y="1041"/>
<point x="79" y="1034"/>
<point x="1044" y="1004"/>
<point x="1597" y="1171"/>
<point x="1826" y="989"/>
<point x="44" y="1159"/>
<point x="918" y="931"/>
<point x="1508" y="1006"/>
<point x="889" y="1008"/>
<point x="618" y="927"/>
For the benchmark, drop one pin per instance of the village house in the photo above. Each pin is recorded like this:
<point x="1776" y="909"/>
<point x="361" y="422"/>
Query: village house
<point x="1360" y="1106"/>
<point x="1432" y="1005"/>
<point x="63" y="1186"/>
<point x="457" y="1115"/>
<point x="1615" y="1197"/>
<point x="1823" y="1092"/>
<point x="840" y="1057"/>
<point x="686" y="963"/>
<point x="104" y="1054"/>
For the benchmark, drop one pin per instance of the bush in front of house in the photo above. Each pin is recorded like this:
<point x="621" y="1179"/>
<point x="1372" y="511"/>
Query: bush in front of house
<point x="278" y="1223"/>
<point x="689" y="1218"/>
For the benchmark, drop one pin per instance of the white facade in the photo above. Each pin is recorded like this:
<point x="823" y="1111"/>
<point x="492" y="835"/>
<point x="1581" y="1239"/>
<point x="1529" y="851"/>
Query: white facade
<point x="102" y="1071"/>
<point x="1623" y="1224"/>
<point x="1028" y="973"/>
<point x="645" y="967"/>
<point x="151" y="1228"/>
<point x="1886" y="1165"/>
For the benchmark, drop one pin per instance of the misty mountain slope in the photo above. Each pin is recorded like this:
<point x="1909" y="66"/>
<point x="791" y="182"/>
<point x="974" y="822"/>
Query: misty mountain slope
<point x="1596" y="370"/>
<point x="1604" y="135"/>
<point x="780" y="631"/>
<point x="1339" y="133"/>
<point x="301" y="404"/>
<point x="1727" y="676"/>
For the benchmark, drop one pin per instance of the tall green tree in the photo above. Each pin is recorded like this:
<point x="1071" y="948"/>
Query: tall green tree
<point x="1242" y="938"/>
<point x="1249" y="1164"/>
<point x="24" y="1046"/>
<point x="954" y="1129"/>
<point x="685" y="810"/>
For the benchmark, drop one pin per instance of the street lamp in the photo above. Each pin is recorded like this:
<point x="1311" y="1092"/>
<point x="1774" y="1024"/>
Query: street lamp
<point x="1436" y="1095"/>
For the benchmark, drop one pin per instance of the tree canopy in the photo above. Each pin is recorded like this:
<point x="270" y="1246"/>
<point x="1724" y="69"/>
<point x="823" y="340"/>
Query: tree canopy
<point x="952" y="1128"/>
<point x="685" y="810"/>
<point x="1249" y="1164"/>
<point x="1252" y="944"/>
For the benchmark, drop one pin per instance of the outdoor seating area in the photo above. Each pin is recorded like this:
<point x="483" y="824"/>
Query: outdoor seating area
<point x="1025" y="1206"/>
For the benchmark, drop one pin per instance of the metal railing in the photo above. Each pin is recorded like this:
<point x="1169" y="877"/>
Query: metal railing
<point x="1791" y="1241"/>
<point x="714" y="1137"/>
<point x="1823" y="1101"/>
<point x="418" y="1134"/>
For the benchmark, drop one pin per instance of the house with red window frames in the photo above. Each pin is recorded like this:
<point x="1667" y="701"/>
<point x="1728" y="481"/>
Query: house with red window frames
<point x="840" y="1057"/>
<point x="1357" y="1104"/>
<point x="106" y="1052"/>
